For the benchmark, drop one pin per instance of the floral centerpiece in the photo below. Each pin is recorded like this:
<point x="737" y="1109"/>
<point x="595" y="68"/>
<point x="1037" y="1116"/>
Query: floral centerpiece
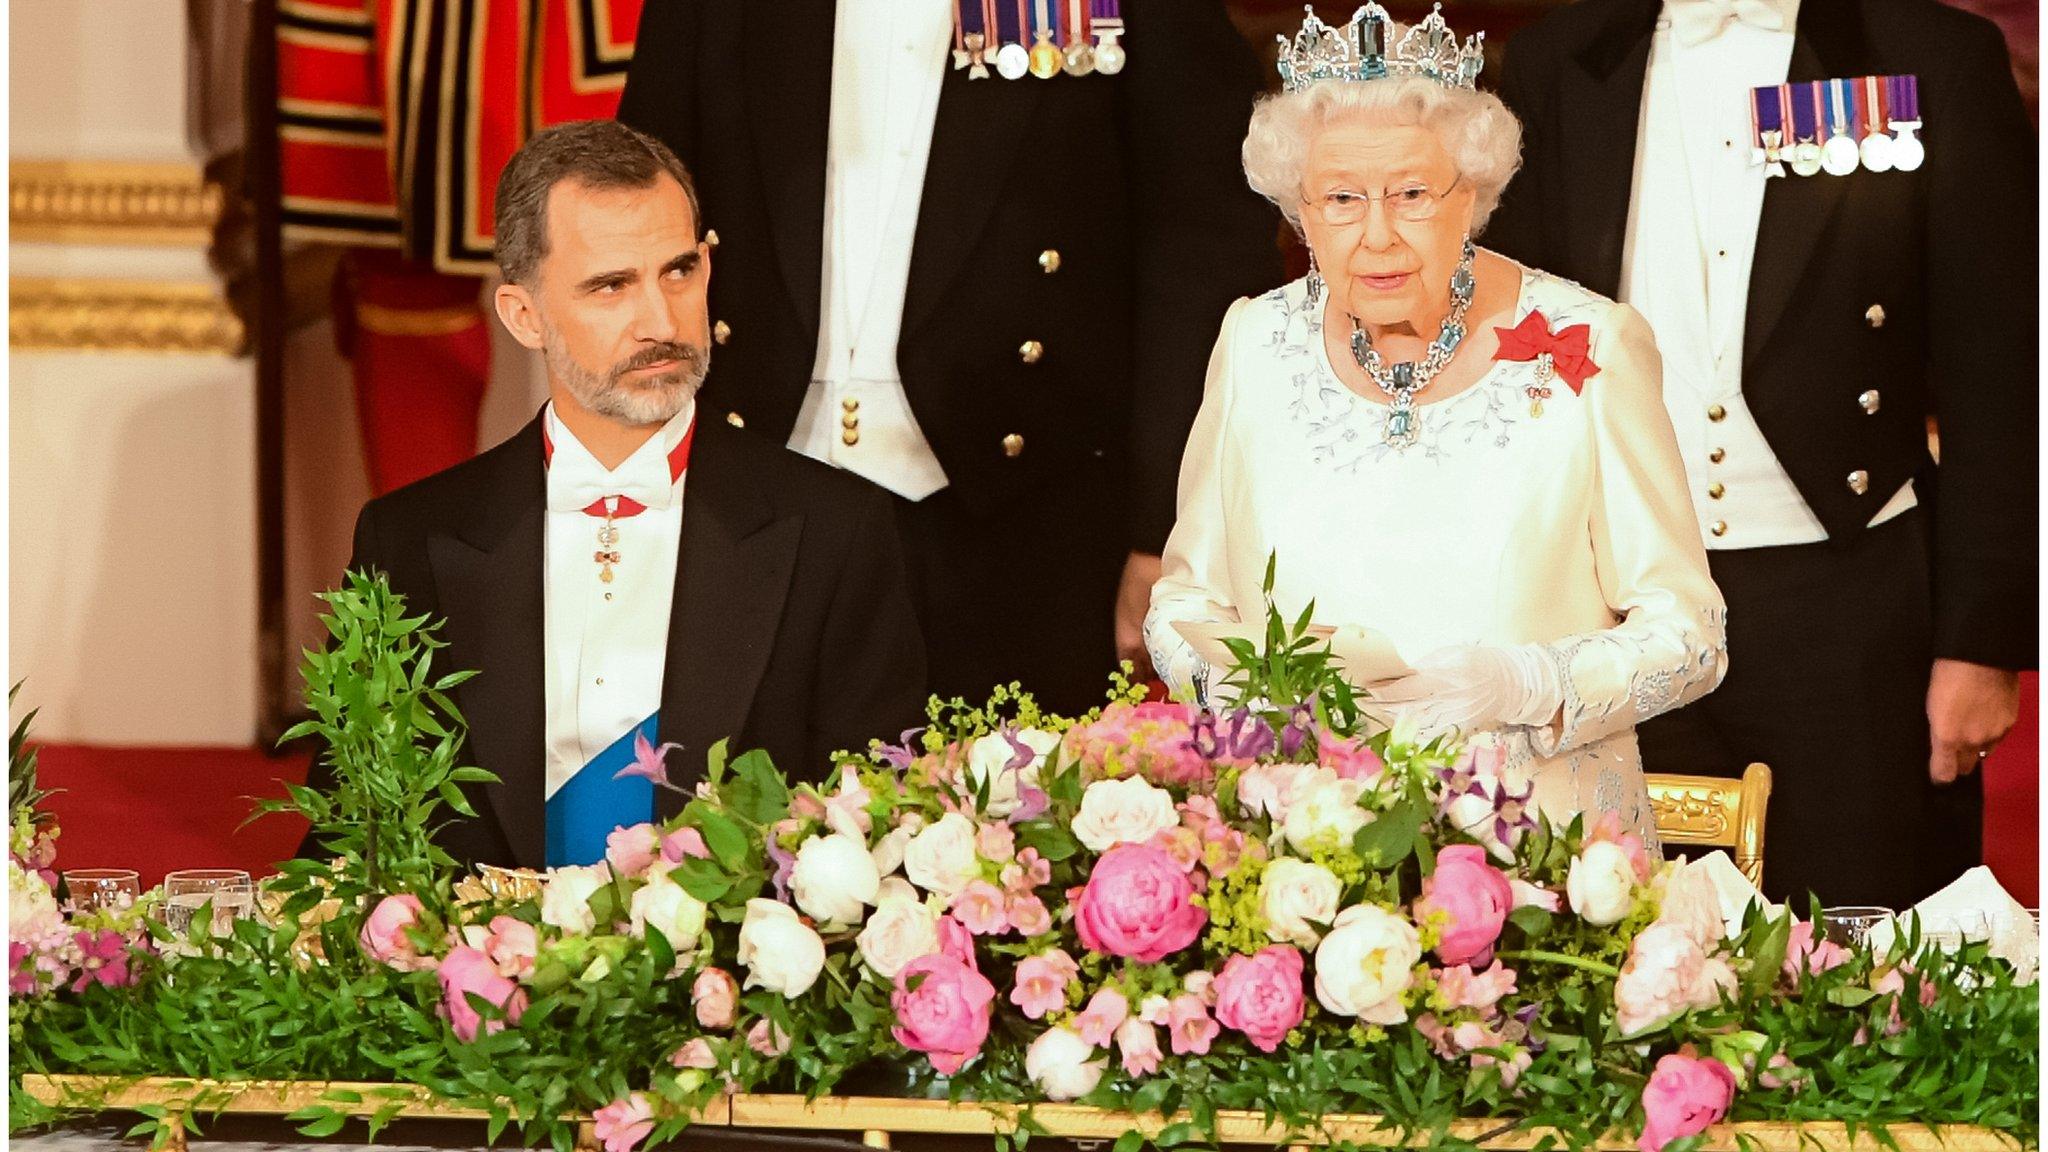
<point x="1150" y="908"/>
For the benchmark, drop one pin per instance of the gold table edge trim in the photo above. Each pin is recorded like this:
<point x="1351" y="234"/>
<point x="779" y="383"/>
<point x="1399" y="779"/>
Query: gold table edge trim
<point x="884" y="1114"/>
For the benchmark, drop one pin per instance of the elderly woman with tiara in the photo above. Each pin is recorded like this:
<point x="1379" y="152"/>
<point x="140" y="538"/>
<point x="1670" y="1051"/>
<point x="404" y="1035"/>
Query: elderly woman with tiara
<point x="1437" y="447"/>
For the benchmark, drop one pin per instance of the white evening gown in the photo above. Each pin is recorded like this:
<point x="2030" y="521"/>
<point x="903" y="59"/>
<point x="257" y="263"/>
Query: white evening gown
<point x="1498" y="526"/>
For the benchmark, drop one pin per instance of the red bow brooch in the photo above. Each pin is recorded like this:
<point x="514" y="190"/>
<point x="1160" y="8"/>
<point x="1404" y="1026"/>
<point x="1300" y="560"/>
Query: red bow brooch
<point x="1568" y="352"/>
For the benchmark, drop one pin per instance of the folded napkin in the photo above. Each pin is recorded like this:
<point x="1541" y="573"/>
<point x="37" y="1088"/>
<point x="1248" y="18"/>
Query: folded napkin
<point x="1734" y="891"/>
<point x="1975" y="907"/>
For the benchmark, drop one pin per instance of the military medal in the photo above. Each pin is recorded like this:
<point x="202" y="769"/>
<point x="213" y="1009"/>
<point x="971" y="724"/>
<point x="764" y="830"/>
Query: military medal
<point x="1013" y="60"/>
<point x="1876" y="148"/>
<point x="1046" y="57"/>
<point x="1106" y="21"/>
<point x="1806" y="120"/>
<point x="1080" y="54"/>
<point x="608" y="539"/>
<point x="1539" y="391"/>
<point x="971" y="24"/>
<point x="1839" y="156"/>
<point x="1908" y="153"/>
<point x="1767" y="127"/>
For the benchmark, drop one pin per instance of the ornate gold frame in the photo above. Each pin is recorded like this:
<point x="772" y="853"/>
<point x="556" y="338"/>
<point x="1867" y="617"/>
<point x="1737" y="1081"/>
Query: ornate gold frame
<point x="85" y="314"/>
<point x="107" y="203"/>
<point x="1715" y="813"/>
<point x="878" y="1119"/>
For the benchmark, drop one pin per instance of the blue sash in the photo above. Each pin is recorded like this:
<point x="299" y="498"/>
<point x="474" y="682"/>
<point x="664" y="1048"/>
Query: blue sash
<point x="583" y="812"/>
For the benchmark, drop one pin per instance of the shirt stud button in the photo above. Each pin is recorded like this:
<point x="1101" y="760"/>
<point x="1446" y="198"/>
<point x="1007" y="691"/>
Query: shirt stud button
<point x="1718" y="527"/>
<point x="1874" y="316"/>
<point x="1031" y="352"/>
<point x="1859" y="481"/>
<point x="1717" y="455"/>
<point x="1049" y="261"/>
<point x="1870" y="402"/>
<point x="1716" y="491"/>
<point x="850" y="437"/>
<point x="1013" y="445"/>
<point x="1716" y="413"/>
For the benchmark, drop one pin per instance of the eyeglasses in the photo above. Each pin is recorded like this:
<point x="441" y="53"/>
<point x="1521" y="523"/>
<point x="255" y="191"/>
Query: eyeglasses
<point x="1413" y="203"/>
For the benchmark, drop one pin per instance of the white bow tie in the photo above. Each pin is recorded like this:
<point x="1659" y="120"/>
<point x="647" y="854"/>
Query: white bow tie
<point x="1698" y="21"/>
<point x="575" y="481"/>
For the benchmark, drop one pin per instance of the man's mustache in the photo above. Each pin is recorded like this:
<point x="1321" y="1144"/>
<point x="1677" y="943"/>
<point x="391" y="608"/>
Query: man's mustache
<point x="687" y="355"/>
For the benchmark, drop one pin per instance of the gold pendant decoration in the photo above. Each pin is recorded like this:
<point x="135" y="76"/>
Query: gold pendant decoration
<point x="607" y="549"/>
<point x="1536" y="408"/>
<point x="1046" y="57"/>
<point x="1539" y="391"/>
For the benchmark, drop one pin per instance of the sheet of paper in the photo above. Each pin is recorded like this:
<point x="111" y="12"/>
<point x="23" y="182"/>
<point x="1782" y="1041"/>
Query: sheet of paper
<point x="1367" y="656"/>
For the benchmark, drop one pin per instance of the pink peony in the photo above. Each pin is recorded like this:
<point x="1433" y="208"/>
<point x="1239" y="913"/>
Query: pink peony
<point x="1028" y="916"/>
<point x="1260" y="995"/>
<point x="1474" y="896"/>
<point x="1891" y="982"/>
<point x="468" y="971"/>
<point x="631" y="851"/>
<point x="1807" y="956"/>
<point x="1189" y="1025"/>
<point x="1270" y="790"/>
<point x="716" y="997"/>
<point x="1138" y="1043"/>
<point x="384" y="938"/>
<point x="1105" y="1013"/>
<point x="956" y="941"/>
<point x="942" y="1010"/>
<point x="682" y="844"/>
<point x="1349" y="759"/>
<point x="767" y="1038"/>
<point x="622" y="1124"/>
<point x="1138" y="904"/>
<point x="1667" y="973"/>
<point x="1462" y="988"/>
<point x="980" y="909"/>
<point x="1685" y="1096"/>
<point x="1152" y="740"/>
<point x="1042" y="983"/>
<point x="696" y="1052"/>
<point x="511" y="944"/>
<point x="102" y="959"/>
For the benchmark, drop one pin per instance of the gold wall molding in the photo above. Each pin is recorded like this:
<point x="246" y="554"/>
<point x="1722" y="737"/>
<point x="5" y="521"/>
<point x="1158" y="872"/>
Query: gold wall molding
<point x="106" y="202"/>
<point x="78" y="314"/>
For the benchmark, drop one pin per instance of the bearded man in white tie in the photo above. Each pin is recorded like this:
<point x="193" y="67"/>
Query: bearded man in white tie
<point x="621" y="574"/>
<point x="1827" y="211"/>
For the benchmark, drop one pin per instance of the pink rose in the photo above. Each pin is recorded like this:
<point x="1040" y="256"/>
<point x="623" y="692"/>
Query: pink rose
<point x="1270" y="790"/>
<point x="1105" y="1013"/>
<point x="1891" y="982"/>
<point x="631" y="851"/>
<point x="384" y="938"/>
<point x="1189" y="1026"/>
<point x="942" y="1010"/>
<point x="1138" y="904"/>
<point x="682" y="844"/>
<point x="1474" y="895"/>
<point x="1462" y="988"/>
<point x="695" y="1053"/>
<point x="468" y="971"/>
<point x="1042" y="983"/>
<point x="716" y="997"/>
<point x="1666" y="974"/>
<point x="1260" y="995"/>
<point x="511" y="944"/>
<point x="1349" y="759"/>
<point x="1138" y="1042"/>
<point x="1028" y="916"/>
<point x="767" y="1038"/>
<point x="622" y="1124"/>
<point x="1685" y="1096"/>
<point x="1807" y="956"/>
<point x="979" y="908"/>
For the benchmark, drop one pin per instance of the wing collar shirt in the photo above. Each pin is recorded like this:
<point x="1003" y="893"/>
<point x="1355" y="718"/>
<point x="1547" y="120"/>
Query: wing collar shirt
<point x="607" y="642"/>
<point x="1691" y="242"/>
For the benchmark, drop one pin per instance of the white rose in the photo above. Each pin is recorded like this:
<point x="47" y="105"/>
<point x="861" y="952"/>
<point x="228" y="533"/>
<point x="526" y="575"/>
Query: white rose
<point x="988" y="765"/>
<point x="888" y="854"/>
<point x="565" y="897"/>
<point x="1325" y="810"/>
<point x="1126" y="811"/>
<point x="779" y="951"/>
<point x="32" y="911"/>
<point x="941" y="858"/>
<point x="1058" y="1062"/>
<point x="1269" y="790"/>
<point x="663" y="905"/>
<point x="1294" y="897"/>
<point x="1601" y="884"/>
<point x="901" y="930"/>
<point x="834" y="879"/>
<point x="1365" y="963"/>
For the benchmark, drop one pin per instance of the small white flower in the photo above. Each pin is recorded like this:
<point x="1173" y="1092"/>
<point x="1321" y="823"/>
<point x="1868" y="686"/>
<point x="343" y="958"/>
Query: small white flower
<point x="1365" y="962"/>
<point x="1126" y="811"/>
<point x="942" y="858"/>
<point x="669" y="909"/>
<point x="902" y="929"/>
<point x="1601" y="884"/>
<point x="1063" y="1065"/>
<point x="565" y="897"/>
<point x="1325" y="811"/>
<point x="834" y="879"/>
<point x="1294" y="897"/>
<point x="779" y="951"/>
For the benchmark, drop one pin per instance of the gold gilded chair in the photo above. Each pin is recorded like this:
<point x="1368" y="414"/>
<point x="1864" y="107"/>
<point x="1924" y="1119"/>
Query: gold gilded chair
<point x="1715" y="813"/>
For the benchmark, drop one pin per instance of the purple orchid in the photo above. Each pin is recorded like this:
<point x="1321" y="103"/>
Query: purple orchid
<point x="1300" y="723"/>
<point x="1237" y="736"/>
<point x="900" y="754"/>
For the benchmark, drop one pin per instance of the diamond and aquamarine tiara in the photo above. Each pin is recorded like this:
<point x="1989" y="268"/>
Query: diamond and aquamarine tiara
<point x="1358" y="51"/>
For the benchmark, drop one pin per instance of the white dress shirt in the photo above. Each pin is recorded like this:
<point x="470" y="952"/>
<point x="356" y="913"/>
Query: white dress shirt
<point x="888" y="59"/>
<point x="1691" y="243"/>
<point x="607" y="643"/>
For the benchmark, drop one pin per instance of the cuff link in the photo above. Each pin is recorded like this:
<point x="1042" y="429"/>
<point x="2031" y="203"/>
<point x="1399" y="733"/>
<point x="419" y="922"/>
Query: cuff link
<point x="1870" y="402"/>
<point x="1859" y="481"/>
<point x="1013" y="445"/>
<point x="721" y="332"/>
<point x="1874" y="316"/>
<point x="1031" y="352"/>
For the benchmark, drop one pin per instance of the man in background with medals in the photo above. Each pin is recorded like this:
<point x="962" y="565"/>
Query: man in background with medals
<point x="971" y="250"/>
<point x="1827" y="211"/>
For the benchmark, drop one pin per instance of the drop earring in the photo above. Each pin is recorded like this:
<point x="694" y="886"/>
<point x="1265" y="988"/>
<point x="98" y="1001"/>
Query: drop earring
<point x="1315" y="282"/>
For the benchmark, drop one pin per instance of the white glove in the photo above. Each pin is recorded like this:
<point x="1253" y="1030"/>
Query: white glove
<point x="1472" y="687"/>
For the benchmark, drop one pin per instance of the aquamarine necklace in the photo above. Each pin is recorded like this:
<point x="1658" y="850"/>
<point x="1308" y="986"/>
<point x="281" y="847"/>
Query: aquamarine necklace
<point x="1402" y="381"/>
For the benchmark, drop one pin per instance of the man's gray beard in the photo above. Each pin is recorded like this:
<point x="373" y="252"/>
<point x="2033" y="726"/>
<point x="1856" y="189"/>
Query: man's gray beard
<point x="653" y="400"/>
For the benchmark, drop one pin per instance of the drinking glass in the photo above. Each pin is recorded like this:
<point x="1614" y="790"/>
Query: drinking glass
<point x="95" y="888"/>
<point x="1850" y="925"/>
<point x="228" y="890"/>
